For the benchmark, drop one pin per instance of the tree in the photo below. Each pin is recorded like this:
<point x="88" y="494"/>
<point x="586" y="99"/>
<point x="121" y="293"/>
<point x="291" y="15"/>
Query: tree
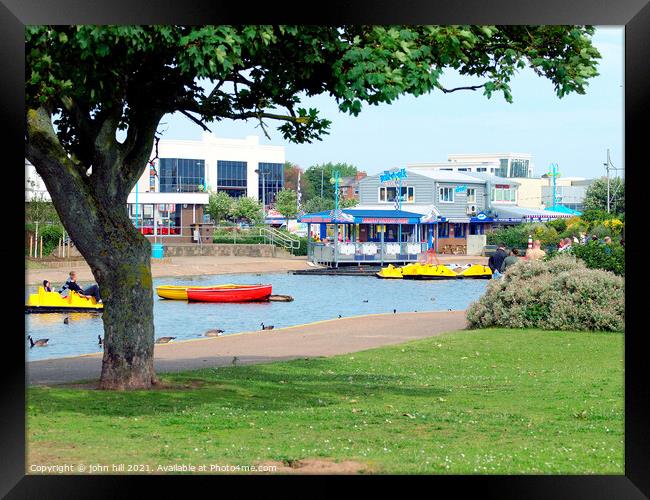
<point x="291" y="172"/>
<point x="349" y="203"/>
<point x="318" y="204"/>
<point x="596" y="195"/>
<point x="219" y="206"/>
<point x="87" y="84"/>
<point x="248" y="209"/>
<point x="286" y="202"/>
<point x="321" y="174"/>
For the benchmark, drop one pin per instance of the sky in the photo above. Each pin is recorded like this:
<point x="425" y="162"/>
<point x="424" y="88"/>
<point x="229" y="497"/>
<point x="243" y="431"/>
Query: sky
<point x="574" y="132"/>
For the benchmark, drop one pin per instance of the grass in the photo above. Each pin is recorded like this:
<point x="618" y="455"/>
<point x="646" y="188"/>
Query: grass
<point x="491" y="401"/>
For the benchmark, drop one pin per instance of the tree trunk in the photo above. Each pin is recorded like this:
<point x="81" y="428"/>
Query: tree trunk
<point x="126" y="290"/>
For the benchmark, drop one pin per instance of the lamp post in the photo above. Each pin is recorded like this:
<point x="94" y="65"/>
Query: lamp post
<point x="263" y="174"/>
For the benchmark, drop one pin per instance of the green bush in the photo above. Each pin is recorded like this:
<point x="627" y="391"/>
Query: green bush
<point x="517" y="236"/>
<point x="558" y="294"/>
<point x="597" y="255"/>
<point x="51" y="234"/>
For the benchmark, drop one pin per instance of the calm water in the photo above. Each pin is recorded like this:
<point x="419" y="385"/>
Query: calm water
<point x="316" y="298"/>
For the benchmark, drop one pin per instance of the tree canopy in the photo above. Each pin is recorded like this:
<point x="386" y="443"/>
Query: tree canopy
<point x="596" y="195"/>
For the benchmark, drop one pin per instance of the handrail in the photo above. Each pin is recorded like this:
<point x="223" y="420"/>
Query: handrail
<point x="285" y="239"/>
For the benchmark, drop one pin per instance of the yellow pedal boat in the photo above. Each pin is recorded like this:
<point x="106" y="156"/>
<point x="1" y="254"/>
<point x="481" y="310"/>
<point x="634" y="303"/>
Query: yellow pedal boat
<point x="44" y="302"/>
<point x="427" y="272"/>
<point x="179" y="292"/>
<point x="476" y="271"/>
<point x="390" y="272"/>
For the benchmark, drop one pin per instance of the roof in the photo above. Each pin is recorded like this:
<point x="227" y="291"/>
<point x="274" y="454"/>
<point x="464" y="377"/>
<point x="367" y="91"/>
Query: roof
<point x="493" y="178"/>
<point x="356" y="215"/>
<point x="527" y="213"/>
<point x="445" y="175"/>
<point x="563" y="209"/>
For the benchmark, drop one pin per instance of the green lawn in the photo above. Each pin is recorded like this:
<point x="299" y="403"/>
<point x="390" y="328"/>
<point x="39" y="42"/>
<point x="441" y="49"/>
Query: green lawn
<point x="489" y="402"/>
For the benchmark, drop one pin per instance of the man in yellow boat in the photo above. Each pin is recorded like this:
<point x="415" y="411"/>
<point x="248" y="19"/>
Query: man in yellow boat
<point x="71" y="284"/>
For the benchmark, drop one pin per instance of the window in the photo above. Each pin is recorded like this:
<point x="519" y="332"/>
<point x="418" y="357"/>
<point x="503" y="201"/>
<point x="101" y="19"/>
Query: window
<point x="388" y="194"/>
<point x="459" y="230"/>
<point x="463" y="169"/>
<point x="475" y="228"/>
<point x="519" y="168"/>
<point x="481" y="169"/>
<point x="443" y="230"/>
<point x="503" y="169"/>
<point x="446" y="194"/>
<point x="471" y="195"/>
<point x="504" y="194"/>
<point x="181" y="175"/>
<point x="272" y="182"/>
<point x="231" y="177"/>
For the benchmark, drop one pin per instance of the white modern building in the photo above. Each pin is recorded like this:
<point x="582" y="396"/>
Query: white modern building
<point x="34" y="185"/>
<point x="173" y="191"/>
<point x="507" y="165"/>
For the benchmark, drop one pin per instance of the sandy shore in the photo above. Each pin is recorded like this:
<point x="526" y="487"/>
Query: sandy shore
<point x="322" y="338"/>
<point x="180" y="266"/>
<point x="191" y="266"/>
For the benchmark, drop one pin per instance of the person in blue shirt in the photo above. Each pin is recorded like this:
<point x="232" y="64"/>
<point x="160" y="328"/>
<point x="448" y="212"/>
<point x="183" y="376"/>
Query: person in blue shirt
<point x="71" y="284"/>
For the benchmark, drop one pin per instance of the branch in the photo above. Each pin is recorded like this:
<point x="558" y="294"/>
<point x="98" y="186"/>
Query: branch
<point x="196" y="120"/>
<point x="471" y="87"/>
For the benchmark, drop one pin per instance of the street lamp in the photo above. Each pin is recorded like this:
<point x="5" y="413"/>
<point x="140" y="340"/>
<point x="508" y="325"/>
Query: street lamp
<point x="263" y="173"/>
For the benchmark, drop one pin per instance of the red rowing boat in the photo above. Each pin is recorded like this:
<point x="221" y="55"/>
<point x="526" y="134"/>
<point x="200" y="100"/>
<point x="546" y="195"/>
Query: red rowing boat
<point x="246" y="293"/>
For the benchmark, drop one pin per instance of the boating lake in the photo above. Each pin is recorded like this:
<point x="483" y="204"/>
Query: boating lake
<point x="315" y="298"/>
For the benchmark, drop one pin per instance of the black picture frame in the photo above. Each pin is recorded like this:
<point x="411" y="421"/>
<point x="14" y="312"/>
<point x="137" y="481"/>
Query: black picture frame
<point x="633" y="14"/>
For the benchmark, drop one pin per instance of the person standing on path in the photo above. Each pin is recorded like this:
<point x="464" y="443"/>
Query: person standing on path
<point x="71" y="284"/>
<point x="495" y="262"/>
<point x="535" y="253"/>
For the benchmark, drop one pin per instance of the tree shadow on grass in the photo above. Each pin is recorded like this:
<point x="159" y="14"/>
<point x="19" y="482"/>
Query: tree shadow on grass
<point x="294" y="385"/>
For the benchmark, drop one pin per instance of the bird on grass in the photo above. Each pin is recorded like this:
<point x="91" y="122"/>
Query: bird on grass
<point x="214" y="333"/>
<point x="38" y="343"/>
<point x="234" y="360"/>
<point x="66" y="320"/>
<point x="164" y="340"/>
<point x="267" y="327"/>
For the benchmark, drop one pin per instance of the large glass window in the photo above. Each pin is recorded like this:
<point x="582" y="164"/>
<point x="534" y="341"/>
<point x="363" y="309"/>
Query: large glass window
<point x="519" y="168"/>
<point x="270" y="180"/>
<point x="181" y="175"/>
<point x="447" y="194"/>
<point x="503" y="169"/>
<point x="231" y="177"/>
<point x="443" y="230"/>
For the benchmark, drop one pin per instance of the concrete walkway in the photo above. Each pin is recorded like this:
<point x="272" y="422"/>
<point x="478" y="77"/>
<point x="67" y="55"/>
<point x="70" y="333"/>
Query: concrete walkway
<point x="322" y="338"/>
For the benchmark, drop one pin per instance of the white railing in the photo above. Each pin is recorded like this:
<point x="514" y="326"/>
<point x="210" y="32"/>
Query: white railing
<point x="369" y="251"/>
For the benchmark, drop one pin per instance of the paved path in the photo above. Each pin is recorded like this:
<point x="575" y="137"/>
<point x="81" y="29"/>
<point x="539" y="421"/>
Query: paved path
<point x="322" y="338"/>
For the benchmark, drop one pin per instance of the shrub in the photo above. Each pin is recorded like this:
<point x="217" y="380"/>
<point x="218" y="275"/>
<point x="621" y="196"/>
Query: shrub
<point x="597" y="255"/>
<point x="558" y="294"/>
<point x="517" y="236"/>
<point x="51" y="234"/>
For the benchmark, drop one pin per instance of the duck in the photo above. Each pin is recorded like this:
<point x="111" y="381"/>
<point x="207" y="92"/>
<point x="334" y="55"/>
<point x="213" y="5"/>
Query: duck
<point x="214" y="333"/>
<point x="38" y="343"/>
<point x="164" y="340"/>
<point x="365" y="301"/>
<point x="268" y="327"/>
<point x="66" y="320"/>
<point x="394" y="311"/>
<point x="339" y="316"/>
